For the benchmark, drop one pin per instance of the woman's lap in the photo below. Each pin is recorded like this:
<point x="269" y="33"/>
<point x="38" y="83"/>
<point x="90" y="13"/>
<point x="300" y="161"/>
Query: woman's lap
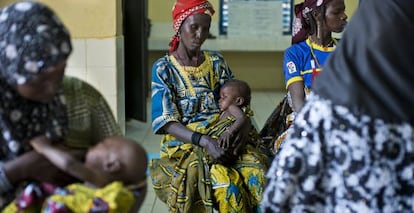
<point x="243" y="182"/>
<point x="240" y="184"/>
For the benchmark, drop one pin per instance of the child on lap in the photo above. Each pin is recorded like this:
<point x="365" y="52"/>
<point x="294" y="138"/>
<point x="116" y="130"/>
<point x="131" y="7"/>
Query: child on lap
<point x="113" y="175"/>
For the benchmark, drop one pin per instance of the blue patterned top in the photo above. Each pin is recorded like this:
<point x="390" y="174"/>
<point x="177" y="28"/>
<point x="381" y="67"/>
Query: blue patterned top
<point x="186" y="94"/>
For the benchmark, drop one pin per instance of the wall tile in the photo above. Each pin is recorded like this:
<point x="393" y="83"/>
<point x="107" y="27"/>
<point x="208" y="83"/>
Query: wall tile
<point x="101" y="52"/>
<point x="103" y="78"/>
<point x="112" y="102"/>
<point x="77" y="72"/>
<point x="78" y="57"/>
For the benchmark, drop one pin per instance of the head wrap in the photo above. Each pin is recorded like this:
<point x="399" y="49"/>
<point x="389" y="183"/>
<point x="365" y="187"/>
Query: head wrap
<point x="183" y="9"/>
<point x="32" y="38"/>
<point x="371" y="71"/>
<point x="301" y="26"/>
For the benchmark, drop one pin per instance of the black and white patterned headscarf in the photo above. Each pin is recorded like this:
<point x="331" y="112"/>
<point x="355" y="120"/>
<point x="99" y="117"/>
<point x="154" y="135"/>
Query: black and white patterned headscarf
<point x="32" y="38"/>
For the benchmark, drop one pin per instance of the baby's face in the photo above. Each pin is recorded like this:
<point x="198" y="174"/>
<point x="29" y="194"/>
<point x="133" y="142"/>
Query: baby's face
<point x="104" y="156"/>
<point x="228" y="96"/>
<point x="97" y="156"/>
<point x="112" y="157"/>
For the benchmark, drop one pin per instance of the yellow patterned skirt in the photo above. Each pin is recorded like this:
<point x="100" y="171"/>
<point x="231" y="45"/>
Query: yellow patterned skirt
<point x="187" y="180"/>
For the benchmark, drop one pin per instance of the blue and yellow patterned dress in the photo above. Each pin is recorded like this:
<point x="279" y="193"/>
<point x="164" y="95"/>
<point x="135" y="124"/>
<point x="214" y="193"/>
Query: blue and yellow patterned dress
<point x="184" y="177"/>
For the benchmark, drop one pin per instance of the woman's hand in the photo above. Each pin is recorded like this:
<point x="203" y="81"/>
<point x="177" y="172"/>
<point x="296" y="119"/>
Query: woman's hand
<point x="181" y="132"/>
<point x="212" y="147"/>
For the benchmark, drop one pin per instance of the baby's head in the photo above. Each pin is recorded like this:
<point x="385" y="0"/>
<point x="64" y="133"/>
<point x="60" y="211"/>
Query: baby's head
<point x="119" y="158"/>
<point x="234" y="92"/>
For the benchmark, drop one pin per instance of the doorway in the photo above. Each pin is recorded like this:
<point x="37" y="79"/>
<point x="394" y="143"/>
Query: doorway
<point x="136" y="31"/>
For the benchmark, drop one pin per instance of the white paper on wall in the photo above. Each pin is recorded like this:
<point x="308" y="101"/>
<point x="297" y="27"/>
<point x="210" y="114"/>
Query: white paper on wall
<point x="255" y="19"/>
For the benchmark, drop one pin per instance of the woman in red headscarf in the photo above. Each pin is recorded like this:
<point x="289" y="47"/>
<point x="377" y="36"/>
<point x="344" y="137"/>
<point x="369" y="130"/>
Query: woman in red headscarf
<point x="312" y="43"/>
<point x="185" y="94"/>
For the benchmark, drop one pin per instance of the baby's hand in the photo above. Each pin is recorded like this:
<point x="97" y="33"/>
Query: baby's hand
<point x="224" y="140"/>
<point x="39" y="143"/>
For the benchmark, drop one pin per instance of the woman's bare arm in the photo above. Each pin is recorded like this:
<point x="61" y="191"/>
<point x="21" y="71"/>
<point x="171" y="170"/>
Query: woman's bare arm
<point x="297" y="93"/>
<point x="66" y="162"/>
<point x="27" y="166"/>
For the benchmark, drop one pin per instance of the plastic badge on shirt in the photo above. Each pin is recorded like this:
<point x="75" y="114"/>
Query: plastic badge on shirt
<point x="291" y="67"/>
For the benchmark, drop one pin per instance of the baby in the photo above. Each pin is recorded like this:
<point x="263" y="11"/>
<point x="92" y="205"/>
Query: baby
<point x="234" y="100"/>
<point x="113" y="171"/>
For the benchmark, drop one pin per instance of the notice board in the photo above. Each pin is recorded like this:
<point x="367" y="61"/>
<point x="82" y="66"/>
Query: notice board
<point x="258" y="18"/>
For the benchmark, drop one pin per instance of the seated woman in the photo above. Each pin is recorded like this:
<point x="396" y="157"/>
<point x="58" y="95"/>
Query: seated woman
<point x="185" y="94"/>
<point x="113" y="170"/>
<point x="89" y="121"/>
<point x="312" y="43"/>
<point x="34" y="48"/>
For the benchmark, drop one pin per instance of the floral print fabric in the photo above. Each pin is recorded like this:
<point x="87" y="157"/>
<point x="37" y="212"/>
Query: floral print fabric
<point x="336" y="161"/>
<point x="21" y="120"/>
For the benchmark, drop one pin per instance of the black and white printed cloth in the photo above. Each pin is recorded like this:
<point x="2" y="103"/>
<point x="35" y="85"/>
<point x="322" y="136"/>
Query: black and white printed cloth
<point x="335" y="161"/>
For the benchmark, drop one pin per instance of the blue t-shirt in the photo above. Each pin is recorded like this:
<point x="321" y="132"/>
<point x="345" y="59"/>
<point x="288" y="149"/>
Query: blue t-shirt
<point x="299" y="65"/>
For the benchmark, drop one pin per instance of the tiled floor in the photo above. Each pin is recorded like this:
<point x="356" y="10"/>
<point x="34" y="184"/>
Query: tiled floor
<point x="262" y="105"/>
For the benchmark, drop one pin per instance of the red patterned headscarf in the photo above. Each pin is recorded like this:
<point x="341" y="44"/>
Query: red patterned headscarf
<point x="301" y="27"/>
<point x="183" y="9"/>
